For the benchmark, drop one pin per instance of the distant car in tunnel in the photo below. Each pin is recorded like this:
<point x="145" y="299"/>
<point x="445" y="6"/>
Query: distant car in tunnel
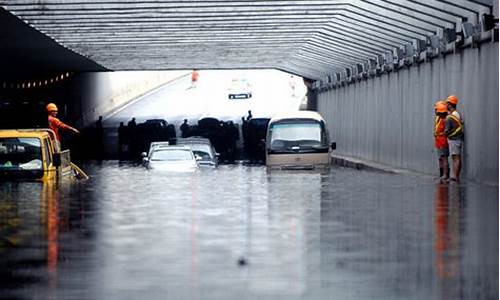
<point x="240" y="89"/>
<point x="170" y="158"/>
<point x="158" y="122"/>
<point x="208" y="124"/>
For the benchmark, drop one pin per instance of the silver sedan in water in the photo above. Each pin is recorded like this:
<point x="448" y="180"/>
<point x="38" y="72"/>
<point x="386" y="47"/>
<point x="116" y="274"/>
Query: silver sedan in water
<point x="171" y="158"/>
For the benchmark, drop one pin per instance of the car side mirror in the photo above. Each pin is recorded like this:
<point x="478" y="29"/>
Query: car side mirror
<point x="217" y="154"/>
<point x="334" y="146"/>
<point x="56" y="159"/>
<point x="144" y="154"/>
<point x="197" y="157"/>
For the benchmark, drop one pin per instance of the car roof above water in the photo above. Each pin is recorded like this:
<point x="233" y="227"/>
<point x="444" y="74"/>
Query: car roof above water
<point x="36" y="133"/>
<point x="170" y="147"/>
<point x="191" y="140"/>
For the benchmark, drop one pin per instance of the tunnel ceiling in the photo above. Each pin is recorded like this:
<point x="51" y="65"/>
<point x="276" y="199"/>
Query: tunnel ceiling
<point x="25" y="52"/>
<point x="311" y="38"/>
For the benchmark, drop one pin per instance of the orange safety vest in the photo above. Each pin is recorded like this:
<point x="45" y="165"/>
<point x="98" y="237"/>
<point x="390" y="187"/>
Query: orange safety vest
<point x="439" y="136"/>
<point x="55" y="124"/>
<point x="459" y="128"/>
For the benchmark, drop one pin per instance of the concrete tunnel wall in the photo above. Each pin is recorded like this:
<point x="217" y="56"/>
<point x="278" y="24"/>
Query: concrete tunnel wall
<point x="389" y="119"/>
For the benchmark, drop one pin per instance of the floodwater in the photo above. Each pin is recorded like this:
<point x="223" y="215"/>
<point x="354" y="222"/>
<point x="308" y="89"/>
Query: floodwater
<point x="241" y="232"/>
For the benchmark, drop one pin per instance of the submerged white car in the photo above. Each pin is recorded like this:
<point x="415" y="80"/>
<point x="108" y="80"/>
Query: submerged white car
<point x="170" y="158"/>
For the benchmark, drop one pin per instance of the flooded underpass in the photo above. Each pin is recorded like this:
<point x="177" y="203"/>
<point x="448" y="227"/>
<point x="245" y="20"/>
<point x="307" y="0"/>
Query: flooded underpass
<point x="244" y="232"/>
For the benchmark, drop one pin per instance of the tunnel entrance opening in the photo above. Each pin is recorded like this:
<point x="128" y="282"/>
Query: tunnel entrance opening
<point x="213" y="104"/>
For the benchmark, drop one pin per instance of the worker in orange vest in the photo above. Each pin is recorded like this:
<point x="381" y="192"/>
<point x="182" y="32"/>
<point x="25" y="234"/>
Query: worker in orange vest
<point x="454" y="131"/>
<point x="440" y="139"/>
<point x="55" y="124"/>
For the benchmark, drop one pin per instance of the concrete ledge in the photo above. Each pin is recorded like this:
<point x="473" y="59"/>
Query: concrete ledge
<point x="355" y="163"/>
<point x="359" y="164"/>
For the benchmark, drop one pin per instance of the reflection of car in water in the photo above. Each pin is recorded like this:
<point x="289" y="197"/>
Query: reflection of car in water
<point x="202" y="148"/>
<point x="33" y="154"/>
<point x="240" y="89"/>
<point x="298" y="140"/>
<point x="170" y="158"/>
<point x="256" y="135"/>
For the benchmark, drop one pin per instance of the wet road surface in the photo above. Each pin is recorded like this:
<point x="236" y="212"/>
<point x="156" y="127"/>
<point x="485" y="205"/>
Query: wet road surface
<point x="241" y="232"/>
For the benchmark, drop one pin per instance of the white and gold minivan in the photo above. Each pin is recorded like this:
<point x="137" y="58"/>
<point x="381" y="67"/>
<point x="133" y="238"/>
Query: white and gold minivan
<point x="298" y="140"/>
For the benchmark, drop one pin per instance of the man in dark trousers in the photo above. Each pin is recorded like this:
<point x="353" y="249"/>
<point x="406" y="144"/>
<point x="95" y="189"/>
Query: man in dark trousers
<point x="455" y="132"/>
<point x="184" y="129"/>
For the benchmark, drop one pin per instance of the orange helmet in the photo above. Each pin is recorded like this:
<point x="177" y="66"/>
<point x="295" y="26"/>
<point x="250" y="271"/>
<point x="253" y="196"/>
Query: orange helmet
<point x="51" y="107"/>
<point x="441" y="107"/>
<point x="452" y="99"/>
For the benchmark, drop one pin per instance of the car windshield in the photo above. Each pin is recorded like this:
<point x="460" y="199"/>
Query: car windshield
<point x="203" y="155"/>
<point x="171" y="155"/>
<point x="20" y="154"/>
<point x="294" y="136"/>
<point x="202" y="150"/>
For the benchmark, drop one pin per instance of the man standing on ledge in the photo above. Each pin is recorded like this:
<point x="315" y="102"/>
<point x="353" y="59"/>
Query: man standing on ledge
<point x="55" y="124"/>
<point x="455" y="132"/>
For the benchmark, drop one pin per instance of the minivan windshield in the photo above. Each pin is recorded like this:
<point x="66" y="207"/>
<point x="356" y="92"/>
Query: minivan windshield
<point x="298" y="136"/>
<point x="20" y="154"/>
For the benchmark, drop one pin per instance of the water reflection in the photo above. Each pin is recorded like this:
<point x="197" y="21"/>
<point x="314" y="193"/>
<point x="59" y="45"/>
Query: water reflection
<point x="131" y="233"/>
<point x="32" y="218"/>
<point x="293" y="214"/>
<point x="448" y="218"/>
<point x="405" y="237"/>
<point x="21" y="221"/>
<point x="51" y="218"/>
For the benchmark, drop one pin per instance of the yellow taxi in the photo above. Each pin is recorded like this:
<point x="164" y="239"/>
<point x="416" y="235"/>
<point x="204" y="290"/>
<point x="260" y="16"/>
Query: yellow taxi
<point x="34" y="154"/>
